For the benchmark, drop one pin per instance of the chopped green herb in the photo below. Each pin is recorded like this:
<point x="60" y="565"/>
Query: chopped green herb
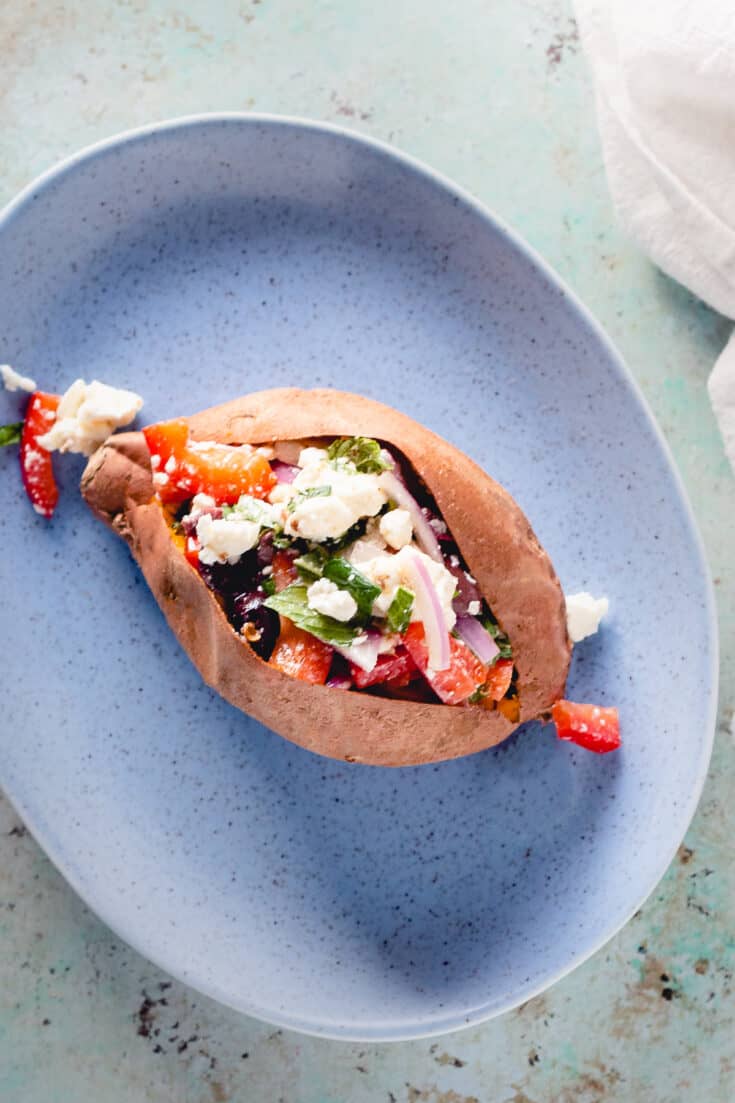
<point x="281" y="540"/>
<point x="344" y="575"/>
<point x="311" y="565"/>
<point x="362" y="451"/>
<point x="478" y="696"/>
<point x="250" y="509"/>
<point x="310" y="492"/>
<point x="10" y="434"/>
<point x="269" y="586"/>
<point x="293" y="603"/>
<point x="398" y="617"/>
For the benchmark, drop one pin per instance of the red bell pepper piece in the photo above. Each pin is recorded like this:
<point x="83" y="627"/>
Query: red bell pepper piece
<point x="589" y="726"/>
<point x="183" y="468"/>
<point x="394" y="669"/>
<point x="35" y="462"/>
<point x="499" y="677"/>
<point x="301" y="655"/>
<point x="462" y="677"/>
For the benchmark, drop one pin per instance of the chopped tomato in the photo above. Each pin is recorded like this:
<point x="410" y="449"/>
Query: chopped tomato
<point x="301" y="655"/>
<point x="461" y="678"/>
<point x="284" y="572"/>
<point x="184" y="467"/>
<point x="35" y="462"/>
<point x="394" y="669"/>
<point x="589" y="726"/>
<point x="498" y="681"/>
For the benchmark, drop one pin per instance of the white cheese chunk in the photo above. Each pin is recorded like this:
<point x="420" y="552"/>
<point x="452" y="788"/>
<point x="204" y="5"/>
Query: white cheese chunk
<point x="396" y="528"/>
<point x="351" y="496"/>
<point x="225" y="539"/>
<point x="87" y="414"/>
<point x="325" y="597"/>
<point x="391" y="571"/>
<point x="473" y="608"/>
<point x="584" y="613"/>
<point x="14" y="381"/>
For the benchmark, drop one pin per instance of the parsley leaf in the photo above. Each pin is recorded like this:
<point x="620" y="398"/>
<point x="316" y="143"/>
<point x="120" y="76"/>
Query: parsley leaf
<point x="362" y="451"/>
<point x="310" y="492"/>
<point x="293" y="603"/>
<point x="268" y="586"/>
<point x="10" y="434"/>
<point x="398" y="616"/>
<point x="344" y="575"/>
<point x="311" y="565"/>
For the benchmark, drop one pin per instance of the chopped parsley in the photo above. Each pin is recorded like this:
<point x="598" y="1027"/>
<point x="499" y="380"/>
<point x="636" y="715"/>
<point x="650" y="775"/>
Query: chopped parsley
<point x="293" y="603"/>
<point x="398" y="616"/>
<point x="10" y="434"/>
<point x="363" y="452"/>
<point x="348" y="578"/>
<point x="310" y="492"/>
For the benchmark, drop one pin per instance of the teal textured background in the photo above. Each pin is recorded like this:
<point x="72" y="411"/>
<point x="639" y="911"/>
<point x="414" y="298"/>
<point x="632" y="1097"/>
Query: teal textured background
<point x="497" y="97"/>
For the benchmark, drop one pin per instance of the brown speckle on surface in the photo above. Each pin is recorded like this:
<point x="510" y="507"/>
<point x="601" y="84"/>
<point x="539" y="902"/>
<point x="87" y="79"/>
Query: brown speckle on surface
<point x="344" y="107"/>
<point x="701" y="966"/>
<point x="18" y="831"/>
<point x="562" y="42"/>
<point x="684" y="854"/>
<point x="433" y="1095"/>
<point x="447" y="1059"/>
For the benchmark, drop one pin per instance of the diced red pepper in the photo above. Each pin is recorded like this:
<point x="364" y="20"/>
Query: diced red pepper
<point x="301" y="655"/>
<point x="183" y="468"/>
<point x="35" y="462"/>
<point x="463" y="675"/>
<point x="498" y="681"/>
<point x="395" y="669"/>
<point x="589" y="726"/>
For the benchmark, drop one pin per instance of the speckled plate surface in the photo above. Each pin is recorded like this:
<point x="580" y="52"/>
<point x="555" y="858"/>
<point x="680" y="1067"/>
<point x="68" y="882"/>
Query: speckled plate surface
<point x="208" y="257"/>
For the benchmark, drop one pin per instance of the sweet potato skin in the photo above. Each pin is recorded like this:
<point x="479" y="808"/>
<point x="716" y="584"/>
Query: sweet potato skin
<point x="495" y="538"/>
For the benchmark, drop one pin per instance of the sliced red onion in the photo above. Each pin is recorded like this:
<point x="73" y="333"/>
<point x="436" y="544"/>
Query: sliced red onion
<point x="424" y="533"/>
<point x="364" y="652"/>
<point x="429" y="609"/>
<point x="478" y="638"/>
<point x="340" y="681"/>
<point x="284" y="472"/>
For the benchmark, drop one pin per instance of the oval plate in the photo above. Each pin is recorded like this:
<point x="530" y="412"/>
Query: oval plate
<point x="204" y="258"/>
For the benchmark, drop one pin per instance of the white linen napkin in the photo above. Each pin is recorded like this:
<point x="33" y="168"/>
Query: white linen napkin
<point x="664" y="76"/>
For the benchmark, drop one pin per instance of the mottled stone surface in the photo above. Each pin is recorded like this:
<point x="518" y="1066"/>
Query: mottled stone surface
<point x="497" y="97"/>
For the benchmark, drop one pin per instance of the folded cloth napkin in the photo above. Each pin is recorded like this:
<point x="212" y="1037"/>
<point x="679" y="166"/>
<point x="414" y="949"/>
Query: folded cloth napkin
<point x="664" y="75"/>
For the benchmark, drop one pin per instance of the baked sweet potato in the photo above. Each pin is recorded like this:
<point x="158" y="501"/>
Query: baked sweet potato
<point x="495" y="539"/>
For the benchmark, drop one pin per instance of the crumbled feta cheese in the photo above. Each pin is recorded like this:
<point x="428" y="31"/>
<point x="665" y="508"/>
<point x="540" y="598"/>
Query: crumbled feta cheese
<point x="281" y="492"/>
<point x="352" y="496"/>
<point x="155" y="462"/>
<point x="201" y="502"/>
<point x="309" y="457"/>
<point x="325" y="597"/>
<point x="473" y="608"/>
<point x="160" y="478"/>
<point x="170" y="465"/>
<point x="225" y="539"/>
<point x="14" y="381"/>
<point x="87" y="414"/>
<point x="584" y="613"/>
<point x="438" y="526"/>
<point x="367" y="547"/>
<point x="247" y="508"/>
<point x="396" y="527"/>
<point x="391" y="571"/>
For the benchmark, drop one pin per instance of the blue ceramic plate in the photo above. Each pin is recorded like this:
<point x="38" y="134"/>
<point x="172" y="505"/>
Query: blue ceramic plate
<point x="199" y="260"/>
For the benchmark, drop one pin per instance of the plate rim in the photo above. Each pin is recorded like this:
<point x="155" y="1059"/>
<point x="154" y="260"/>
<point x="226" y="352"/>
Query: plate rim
<point x="473" y="1016"/>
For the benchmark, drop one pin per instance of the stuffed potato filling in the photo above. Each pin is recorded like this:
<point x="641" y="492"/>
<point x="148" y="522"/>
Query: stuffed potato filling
<point x="330" y="559"/>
